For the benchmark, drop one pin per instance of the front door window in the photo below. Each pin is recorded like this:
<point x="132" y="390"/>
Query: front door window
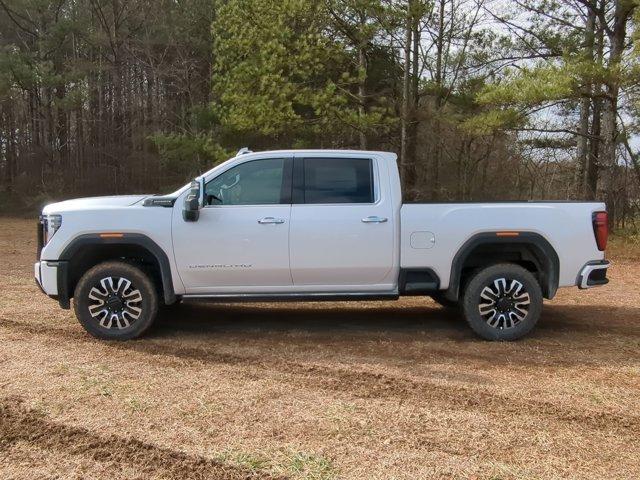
<point x="258" y="182"/>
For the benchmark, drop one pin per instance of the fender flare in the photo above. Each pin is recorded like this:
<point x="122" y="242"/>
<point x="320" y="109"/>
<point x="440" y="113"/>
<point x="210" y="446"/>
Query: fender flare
<point x="544" y="252"/>
<point x="93" y="239"/>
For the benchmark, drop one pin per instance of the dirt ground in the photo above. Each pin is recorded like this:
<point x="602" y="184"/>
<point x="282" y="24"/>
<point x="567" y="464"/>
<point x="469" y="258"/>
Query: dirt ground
<point x="398" y="390"/>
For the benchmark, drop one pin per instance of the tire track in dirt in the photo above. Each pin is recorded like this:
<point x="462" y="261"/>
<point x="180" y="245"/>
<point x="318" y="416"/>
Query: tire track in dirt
<point x="20" y="424"/>
<point x="363" y="384"/>
<point x="377" y="385"/>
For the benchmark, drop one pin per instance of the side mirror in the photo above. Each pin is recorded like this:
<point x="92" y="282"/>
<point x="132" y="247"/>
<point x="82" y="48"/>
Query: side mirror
<point x="193" y="201"/>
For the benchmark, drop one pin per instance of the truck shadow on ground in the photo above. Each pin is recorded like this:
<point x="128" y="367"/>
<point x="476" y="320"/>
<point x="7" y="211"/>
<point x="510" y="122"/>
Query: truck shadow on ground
<point x="566" y="336"/>
<point x="381" y="318"/>
<point x="305" y="317"/>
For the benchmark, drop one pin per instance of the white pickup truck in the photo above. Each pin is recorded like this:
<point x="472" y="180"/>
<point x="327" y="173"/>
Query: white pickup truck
<point x="312" y="225"/>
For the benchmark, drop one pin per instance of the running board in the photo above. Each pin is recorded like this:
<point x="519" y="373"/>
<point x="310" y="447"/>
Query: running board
<point x="290" y="297"/>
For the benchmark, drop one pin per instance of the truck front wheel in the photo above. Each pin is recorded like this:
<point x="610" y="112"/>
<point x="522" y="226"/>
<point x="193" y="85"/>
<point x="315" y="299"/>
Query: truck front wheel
<point x="115" y="301"/>
<point x="502" y="302"/>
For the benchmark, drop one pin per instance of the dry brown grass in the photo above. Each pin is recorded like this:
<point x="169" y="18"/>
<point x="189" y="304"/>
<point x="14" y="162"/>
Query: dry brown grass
<point x="318" y="391"/>
<point x="625" y="245"/>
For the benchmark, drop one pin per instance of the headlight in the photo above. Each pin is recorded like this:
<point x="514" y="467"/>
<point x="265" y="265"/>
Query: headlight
<point x="51" y="224"/>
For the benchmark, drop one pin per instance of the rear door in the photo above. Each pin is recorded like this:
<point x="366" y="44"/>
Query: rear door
<point x="342" y="225"/>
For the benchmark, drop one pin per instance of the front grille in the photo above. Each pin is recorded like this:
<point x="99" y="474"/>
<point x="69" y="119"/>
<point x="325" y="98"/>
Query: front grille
<point x="41" y="226"/>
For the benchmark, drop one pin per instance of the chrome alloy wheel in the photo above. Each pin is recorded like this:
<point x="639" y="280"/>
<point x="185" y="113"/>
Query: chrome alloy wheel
<point x="504" y="304"/>
<point x="115" y="303"/>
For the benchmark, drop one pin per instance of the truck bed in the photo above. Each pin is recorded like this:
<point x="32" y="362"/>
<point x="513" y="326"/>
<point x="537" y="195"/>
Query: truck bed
<point x="432" y="233"/>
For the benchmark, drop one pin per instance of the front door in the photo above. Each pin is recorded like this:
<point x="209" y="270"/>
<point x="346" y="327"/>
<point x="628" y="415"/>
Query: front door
<point x="342" y="226"/>
<point x="241" y="238"/>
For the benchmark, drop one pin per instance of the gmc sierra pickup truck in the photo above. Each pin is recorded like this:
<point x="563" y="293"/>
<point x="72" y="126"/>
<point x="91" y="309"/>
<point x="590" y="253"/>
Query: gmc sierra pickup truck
<point x="312" y="225"/>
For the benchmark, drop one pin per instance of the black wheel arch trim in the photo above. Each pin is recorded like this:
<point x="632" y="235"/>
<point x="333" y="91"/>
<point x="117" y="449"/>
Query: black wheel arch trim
<point x="91" y="239"/>
<point x="545" y="254"/>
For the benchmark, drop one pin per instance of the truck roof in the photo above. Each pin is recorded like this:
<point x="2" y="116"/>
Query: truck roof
<point x="244" y="152"/>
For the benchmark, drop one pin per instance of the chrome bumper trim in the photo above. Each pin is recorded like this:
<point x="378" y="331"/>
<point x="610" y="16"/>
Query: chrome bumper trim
<point x="587" y="270"/>
<point x="37" y="275"/>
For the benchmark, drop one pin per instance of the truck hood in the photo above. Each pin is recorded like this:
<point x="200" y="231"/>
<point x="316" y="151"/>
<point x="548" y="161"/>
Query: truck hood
<point x="92" y="203"/>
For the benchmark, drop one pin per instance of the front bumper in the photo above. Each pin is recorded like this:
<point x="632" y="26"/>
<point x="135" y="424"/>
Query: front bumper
<point x="51" y="278"/>
<point x="593" y="274"/>
<point x="38" y="276"/>
<point x="47" y="277"/>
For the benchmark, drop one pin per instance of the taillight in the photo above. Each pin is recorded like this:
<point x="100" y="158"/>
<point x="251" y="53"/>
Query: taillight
<point x="601" y="229"/>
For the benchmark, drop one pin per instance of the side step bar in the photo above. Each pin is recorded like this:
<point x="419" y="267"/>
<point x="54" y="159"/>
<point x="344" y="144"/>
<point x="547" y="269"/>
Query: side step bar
<point x="290" y="297"/>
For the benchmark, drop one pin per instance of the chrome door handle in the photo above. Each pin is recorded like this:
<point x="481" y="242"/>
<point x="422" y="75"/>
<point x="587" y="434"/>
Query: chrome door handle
<point x="374" y="219"/>
<point x="270" y="220"/>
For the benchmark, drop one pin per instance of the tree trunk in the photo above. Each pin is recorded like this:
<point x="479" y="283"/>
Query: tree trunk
<point x="414" y="100"/>
<point x="617" y="38"/>
<point x="439" y="80"/>
<point x="585" y="107"/>
<point x="62" y="128"/>
<point x="406" y="164"/>
<point x="593" y="165"/>
<point x="362" y="84"/>
<point x="10" y="146"/>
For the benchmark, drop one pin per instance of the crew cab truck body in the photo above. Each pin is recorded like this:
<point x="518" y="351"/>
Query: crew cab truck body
<point x="313" y="225"/>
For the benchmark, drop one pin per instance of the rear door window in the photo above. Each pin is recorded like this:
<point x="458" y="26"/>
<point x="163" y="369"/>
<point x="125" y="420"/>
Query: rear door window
<point x="337" y="180"/>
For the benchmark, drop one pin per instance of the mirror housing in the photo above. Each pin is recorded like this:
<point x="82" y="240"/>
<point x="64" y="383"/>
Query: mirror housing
<point x="193" y="201"/>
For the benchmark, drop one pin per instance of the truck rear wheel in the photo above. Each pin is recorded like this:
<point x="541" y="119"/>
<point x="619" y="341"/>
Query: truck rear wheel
<point x="115" y="301"/>
<point x="502" y="302"/>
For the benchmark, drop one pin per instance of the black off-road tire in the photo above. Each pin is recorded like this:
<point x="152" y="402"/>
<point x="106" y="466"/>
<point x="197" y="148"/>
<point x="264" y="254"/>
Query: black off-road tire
<point x="502" y="302"/>
<point x="443" y="301"/>
<point x="131" y="305"/>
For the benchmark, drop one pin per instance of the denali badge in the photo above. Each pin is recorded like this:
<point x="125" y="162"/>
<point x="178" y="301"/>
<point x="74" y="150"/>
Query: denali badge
<point x="222" y="265"/>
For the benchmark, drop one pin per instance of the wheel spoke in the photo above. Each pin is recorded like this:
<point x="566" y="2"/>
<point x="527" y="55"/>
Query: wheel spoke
<point x="133" y="311"/>
<point x="489" y="294"/>
<point x="133" y="296"/>
<point x="494" y="321"/>
<point x="123" y="284"/>
<point x="486" y="308"/>
<point x="97" y="309"/>
<point x="508" y="321"/>
<point x="98" y="312"/>
<point x="107" y="320"/>
<point x="122" y="321"/>
<point x="514" y="287"/>
<point x="97" y="295"/>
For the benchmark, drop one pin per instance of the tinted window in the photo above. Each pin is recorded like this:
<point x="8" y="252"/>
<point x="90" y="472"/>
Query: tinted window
<point x="338" y="180"/>
<point x="251" y="183"/>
